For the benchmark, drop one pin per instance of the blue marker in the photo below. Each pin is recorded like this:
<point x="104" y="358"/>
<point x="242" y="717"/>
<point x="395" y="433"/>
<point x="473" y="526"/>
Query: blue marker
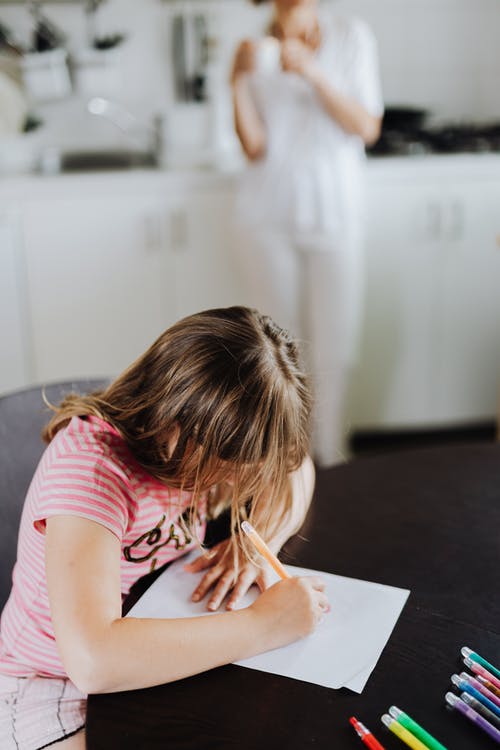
<point x="464" y="685"/>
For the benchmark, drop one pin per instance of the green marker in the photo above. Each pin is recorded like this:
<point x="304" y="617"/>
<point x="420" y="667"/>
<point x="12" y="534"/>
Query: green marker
<point x="468" y="653"/>
<point x="418" y="731"/>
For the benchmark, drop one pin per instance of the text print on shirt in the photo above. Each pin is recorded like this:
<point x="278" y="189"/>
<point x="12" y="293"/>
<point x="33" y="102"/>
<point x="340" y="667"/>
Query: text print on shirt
<point x="176" y="534"/>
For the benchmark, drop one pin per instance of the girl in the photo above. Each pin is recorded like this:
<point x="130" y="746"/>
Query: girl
<point x="214" y="413"/>
<point x="306" y="100"/>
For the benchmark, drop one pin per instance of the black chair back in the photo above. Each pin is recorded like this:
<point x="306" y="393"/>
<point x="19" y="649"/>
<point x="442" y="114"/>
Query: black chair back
<point x="22" y="416"/>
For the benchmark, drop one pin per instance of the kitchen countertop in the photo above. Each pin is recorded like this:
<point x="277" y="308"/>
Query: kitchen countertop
<point x="24" y="186"/>
<point x="434" y="166"/>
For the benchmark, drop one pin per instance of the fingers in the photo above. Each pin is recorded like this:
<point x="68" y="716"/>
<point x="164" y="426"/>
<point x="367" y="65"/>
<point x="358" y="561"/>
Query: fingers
<point x="224" y="584"/>
<point x="320" y="599"/>
<point x="219" y="577"/>
<point x="295" y="56"/>
<point x="317" y="583"/>
<point x="209" y="558"/>
<point x="323" y="603"/>
<point x="243" y="583"/>
<point x="202" y="562"/>
<point x="222" y="581"/>
<point x="289" y="51"/>
<point x="213" y="574"/>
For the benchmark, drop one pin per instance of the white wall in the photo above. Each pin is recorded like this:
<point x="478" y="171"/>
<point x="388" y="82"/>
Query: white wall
<point x="441" y="54"/>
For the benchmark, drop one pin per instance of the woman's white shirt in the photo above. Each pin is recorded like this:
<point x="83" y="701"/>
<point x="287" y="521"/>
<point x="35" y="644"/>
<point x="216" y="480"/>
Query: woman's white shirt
<point x="310" y="180"/>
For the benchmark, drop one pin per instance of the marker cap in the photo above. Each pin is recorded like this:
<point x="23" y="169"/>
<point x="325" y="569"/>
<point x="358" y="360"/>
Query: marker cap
<point x="395" y="712"/>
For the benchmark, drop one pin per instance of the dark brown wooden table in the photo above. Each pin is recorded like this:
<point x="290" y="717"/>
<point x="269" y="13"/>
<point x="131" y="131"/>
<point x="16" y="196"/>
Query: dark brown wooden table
<point x="427" y="520"/>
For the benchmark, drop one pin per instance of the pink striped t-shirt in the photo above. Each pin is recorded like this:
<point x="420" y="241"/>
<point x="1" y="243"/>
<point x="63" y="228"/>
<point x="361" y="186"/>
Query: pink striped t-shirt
<point x="87" y="471"/>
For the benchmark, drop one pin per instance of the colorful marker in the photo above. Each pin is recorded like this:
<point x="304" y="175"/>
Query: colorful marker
<point x="412" y="726"/>
<point x="365" y="735"/>
<point x="264" y="550"/>
<point x="470" y="654"/>
<point x="481" y="688"/>
<point x="479" y="670"/>
<point x="481" y="709"/>
<point x="488" y="685"/>
<point x="456" y="702"/>
<point x="468" y="688"/>
<point x="407" y="737"/>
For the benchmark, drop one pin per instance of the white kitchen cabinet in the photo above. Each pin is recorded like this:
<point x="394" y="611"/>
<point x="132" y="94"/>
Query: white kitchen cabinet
<point x="393" y="380"/>
<point x="104" y="263"/>
<point x="467" y="371"/>
<point x="430" y="352"/>
<point x="100" y="277"/>
<point x="110" y="264"/>
<point x="14" y="332"/>
<point x="206" y="272"/>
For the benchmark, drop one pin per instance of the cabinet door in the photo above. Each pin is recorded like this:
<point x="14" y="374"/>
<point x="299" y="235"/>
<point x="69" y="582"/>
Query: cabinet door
<point x="206" y="272"/>
<point x="100" y="278"/>
<point x="468" y="357"/>
<point x="14" y="343"/>
<point x="393" y="379"/>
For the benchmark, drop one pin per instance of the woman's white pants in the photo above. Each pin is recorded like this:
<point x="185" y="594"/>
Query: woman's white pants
<point x="310" y="284"/>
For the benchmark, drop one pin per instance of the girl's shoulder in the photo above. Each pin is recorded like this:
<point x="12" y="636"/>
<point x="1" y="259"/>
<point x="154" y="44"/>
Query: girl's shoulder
<point x="93" y="443"/>
<point x="87" y="431"/>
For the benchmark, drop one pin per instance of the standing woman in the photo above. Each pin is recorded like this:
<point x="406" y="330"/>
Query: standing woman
<point x="306" y="100"/>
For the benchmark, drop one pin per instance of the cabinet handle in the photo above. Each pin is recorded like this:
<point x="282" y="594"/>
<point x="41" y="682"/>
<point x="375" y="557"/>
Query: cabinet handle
<point x="178" y="230"/>
<point x="457" y="221"/>
<point x="153" y="234"/>
<point x="433" y="221"/>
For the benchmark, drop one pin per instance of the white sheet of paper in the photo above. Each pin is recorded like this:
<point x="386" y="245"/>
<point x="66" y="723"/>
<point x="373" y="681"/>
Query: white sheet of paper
<point x="342" y="652"/>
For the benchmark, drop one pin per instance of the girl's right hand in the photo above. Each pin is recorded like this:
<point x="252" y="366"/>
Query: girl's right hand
<point x="291" y="609"/>
<point x="245" y="59"/>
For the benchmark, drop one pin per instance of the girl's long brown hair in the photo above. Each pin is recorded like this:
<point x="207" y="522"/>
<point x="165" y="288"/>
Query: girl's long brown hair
<point x="227" y="384"/>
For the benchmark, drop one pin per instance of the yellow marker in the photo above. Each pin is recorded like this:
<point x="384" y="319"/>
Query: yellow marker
<point x="264" y="550"/>
<point x="407" y="737"/>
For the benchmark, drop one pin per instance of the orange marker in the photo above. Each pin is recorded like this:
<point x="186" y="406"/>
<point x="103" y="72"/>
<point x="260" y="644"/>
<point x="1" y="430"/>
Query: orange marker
<point x="264" y="550"/>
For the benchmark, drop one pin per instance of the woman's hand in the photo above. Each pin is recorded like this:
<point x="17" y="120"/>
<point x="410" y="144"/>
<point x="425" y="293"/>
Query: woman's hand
<point x="297" y="57"/>
<point x="245" y="59"/>
<point x="220" y="578"/>
<point x="291" y="609"/>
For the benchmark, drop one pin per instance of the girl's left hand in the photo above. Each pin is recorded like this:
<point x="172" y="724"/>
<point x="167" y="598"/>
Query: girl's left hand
<point x="297" y="57"/>
<point x="220" y="577"/>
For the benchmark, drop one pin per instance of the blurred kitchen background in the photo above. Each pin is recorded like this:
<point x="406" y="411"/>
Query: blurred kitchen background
<point x="117" y="167"/>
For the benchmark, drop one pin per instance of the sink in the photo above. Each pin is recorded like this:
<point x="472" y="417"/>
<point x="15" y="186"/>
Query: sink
<point x="99" y="160"/>
<point x="83" y="161"/>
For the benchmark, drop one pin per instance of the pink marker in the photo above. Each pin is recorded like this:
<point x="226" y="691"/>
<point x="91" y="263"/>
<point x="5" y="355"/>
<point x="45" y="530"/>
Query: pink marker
<point x="480" y="670"/>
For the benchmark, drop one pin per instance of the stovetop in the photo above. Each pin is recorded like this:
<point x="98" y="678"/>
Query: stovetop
<point x="449" y="139"/>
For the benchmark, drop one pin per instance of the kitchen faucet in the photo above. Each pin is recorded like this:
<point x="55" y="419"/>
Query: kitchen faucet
<point x="128" y="123"/>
